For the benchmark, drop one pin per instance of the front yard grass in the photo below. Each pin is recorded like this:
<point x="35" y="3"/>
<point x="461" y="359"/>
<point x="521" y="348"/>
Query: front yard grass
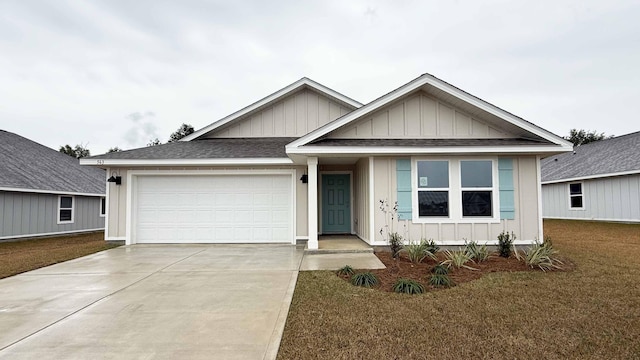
<point x="592" y="312"/>
<point x="24" y="255"/>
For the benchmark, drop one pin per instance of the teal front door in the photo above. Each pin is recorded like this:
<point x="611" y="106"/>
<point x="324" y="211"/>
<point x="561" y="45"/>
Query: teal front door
<point x="336" y="204"/>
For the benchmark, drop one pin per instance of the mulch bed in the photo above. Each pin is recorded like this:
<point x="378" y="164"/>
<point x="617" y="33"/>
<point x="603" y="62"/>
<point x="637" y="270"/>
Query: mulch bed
<point x="402" y="268"/>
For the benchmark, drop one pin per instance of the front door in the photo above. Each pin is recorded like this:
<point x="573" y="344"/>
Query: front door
<point x="336" y="203"/>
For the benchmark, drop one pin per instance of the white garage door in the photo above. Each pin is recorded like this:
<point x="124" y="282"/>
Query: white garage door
<point x="213" y="209"/>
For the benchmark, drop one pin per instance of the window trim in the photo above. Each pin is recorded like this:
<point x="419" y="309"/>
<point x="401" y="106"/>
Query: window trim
<point x="103" y="199"/>
<point x="73" y="213"/>
<point x="571" y="208"/>
<point x="455" y="192"/>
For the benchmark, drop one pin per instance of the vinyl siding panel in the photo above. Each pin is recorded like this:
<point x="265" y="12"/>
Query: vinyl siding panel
<point x="613" y="199"/>
<point x="362" y="202"/>
<point x="295" y="115"/>
<point x="32" y="214"/>
<point x="524" y="224"/>
<point x="416" y="116"/>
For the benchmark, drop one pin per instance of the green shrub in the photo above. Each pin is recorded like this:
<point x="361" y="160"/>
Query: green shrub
<point x="476" y="252"/>
<point x="432" y="247"/>
<point x="366" y="279"/>
<point x="417" y="252"/>
<point x="542" y="256"/>
<point x="345" y="271"/>
<point x="505" y="242"/>
<point x="395" y="244"/>
<point x="440" y="280"/>
<point x="440" y="270"/>
<point x="457" y="259"/>
<point x="408" y="286"/>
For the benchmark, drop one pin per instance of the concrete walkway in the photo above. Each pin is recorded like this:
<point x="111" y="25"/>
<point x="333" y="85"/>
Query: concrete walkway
<point x="153" y="301"/>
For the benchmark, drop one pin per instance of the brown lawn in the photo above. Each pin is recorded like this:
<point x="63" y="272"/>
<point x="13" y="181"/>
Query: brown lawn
<point x="591" y="312"/>
<point x="20" y="256"/>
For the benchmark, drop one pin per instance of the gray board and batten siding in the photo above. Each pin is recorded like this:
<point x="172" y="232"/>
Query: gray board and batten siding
<point x="35" y="214"/>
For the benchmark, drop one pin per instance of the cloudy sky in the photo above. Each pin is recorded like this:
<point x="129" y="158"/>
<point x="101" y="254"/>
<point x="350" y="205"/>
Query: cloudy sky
<point x="119" y="73"/>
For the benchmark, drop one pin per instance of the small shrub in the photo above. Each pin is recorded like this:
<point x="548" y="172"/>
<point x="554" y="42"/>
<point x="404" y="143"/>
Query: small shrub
<point x="345" y="271"/>
<point x="432" y="247"/>
<point x="440" y="270"/>
<point x="408" y="286"/>
<point x="542" y="256"/>
<point x="395" y="244"/>
<point x="440" y="280"/>
<point x="476" y="252"/>
<point x="366" y="279"/>
<point x="505" y="242"/>
<point x="457" y="259"/>
<point x="417" y="252"/>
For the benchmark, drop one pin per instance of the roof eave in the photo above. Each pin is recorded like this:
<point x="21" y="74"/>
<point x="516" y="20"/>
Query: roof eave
<point x="589" y="177"/>
<point x="399" y="150"/>
<point x="185" y="162"/>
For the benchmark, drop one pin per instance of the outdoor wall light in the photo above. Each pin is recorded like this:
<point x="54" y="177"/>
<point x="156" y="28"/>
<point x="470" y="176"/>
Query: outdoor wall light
<point x="115" y="179"/>
<point x="304" y="178"/>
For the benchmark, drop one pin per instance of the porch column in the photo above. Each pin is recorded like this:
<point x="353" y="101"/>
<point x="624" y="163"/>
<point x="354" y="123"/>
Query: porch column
<point x="312" y="202"/>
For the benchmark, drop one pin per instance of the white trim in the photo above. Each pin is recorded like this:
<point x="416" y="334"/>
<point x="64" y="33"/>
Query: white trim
<point x="186" y="162"/>
<point x="593" y="219"/>
<point x="539" y="188"/>
<point x="372" y="203"/>
<point x="312" y="203"/>
<point x="108" y="199"/>
<point x="589" y="177"/>
<point x="52" y="192"/>
<point x="288" y="90"/>
<point x="132" y="176"/>
<point x="403" y="150"/>
<point x="115" y="238"/>
<point x="352" y="229"/>
<point x="416" y="84"/>
<point x="455" y="193"/>
<point x="569" y="196"/>
<point x="73" y="208"/>
<point x="48" y="234"/>
<point x="104" y="215"/>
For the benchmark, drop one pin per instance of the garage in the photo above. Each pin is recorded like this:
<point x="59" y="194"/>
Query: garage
<point x="220" y="208"/>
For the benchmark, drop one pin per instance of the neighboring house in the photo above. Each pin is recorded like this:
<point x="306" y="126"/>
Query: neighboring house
<point x="598" y="181"/>
<point x="45" y="192"/>
<point x="307" y="160"/>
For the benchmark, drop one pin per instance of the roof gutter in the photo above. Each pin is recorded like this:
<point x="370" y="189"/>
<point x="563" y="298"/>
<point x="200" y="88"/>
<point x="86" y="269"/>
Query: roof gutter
<point x="185" y="162"/>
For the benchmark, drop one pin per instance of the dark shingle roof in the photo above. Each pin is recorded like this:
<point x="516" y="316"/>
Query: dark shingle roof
<point x="25" y="164"/>
<point x="220" y="148"/>
<point x="619" y="154"/>
<point x="426" y="142"/>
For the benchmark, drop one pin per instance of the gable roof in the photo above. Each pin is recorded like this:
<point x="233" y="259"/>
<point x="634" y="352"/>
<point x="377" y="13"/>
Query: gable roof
<point x="30" y="167"/>
<point x="284" y="92"/>
<point x="201" y="152"/>
<point x="449" y="93"/>
<point x="611" y="157"/>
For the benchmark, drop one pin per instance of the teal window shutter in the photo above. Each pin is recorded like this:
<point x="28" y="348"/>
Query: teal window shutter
<point x="403" y="179"/>
<point x="507" y="200"/>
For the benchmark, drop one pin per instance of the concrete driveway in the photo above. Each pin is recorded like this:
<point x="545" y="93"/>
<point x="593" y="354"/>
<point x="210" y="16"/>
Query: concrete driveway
<point x="152" y="301"/>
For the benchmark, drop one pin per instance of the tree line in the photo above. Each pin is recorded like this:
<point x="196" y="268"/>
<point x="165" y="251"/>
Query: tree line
<point x="80" y="151"/>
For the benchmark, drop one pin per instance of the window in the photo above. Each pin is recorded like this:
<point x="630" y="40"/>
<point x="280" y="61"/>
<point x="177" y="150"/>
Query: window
<point x="455" y="190"/>
<point x="476" y="179"/>
<point x="433" y="188"/>
<point x="65" y="209"/>
<point x="575" y="196"/>
<point x="103" y="206"/>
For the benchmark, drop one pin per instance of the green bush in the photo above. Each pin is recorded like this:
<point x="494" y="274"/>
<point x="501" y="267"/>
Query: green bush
<point x="440" y="270"/>
<point x="432" y="247"/>
<point x="440" y="280"/>
<point x="505" y="242"/>
<point x="395" y="244"/>
<point x="366" y="279"/>
<point x="457" y="259"/>
<point x="408" y="286"/>
<point x="345" y="271"/>
<point x="417" y="252"/>
<point x="476" y="252"/>
<point x="542" y="256"/>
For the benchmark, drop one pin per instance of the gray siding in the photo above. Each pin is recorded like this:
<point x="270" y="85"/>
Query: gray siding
<point x="34" y="214"/>
<point x="614" y="198"/>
